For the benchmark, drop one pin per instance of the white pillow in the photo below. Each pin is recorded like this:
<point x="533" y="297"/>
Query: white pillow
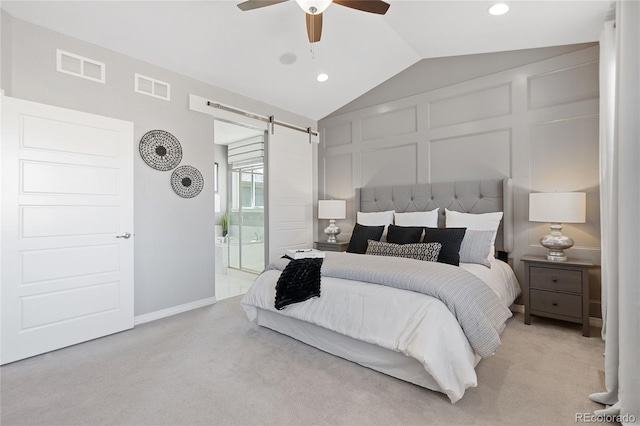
<point x="375" y="219"/>
<point x="428" y="219"/>
<point x="475" y="222"/>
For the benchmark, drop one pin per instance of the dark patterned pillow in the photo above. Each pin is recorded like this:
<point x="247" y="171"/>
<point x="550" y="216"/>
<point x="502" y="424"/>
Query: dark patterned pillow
<point x="428" y="251"/>
<point x="404" y="234"/>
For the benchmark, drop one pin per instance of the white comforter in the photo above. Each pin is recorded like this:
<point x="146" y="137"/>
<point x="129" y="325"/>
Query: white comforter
<point x="413" y="324"/>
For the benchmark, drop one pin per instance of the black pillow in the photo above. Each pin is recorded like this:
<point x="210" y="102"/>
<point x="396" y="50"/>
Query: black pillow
<point x="451" y="240"/>
<point x="404" y="234"/>
<point x="361" y="234"/>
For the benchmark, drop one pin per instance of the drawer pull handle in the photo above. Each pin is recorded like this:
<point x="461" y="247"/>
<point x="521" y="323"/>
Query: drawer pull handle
<point x="555" y="280"/>
<point x="554" y="303"/>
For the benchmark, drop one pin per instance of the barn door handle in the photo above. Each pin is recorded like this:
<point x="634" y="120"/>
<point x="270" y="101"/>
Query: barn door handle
<point x="126" y="236"/>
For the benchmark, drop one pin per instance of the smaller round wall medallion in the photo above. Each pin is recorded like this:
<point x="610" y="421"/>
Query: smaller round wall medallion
<point x="160" y="150"/>
<point x="187" y="181"/>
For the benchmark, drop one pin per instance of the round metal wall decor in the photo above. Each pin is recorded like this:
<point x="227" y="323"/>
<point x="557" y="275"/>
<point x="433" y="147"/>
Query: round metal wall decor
<point x="187" y="181"/>
<point x="160" y="150"/>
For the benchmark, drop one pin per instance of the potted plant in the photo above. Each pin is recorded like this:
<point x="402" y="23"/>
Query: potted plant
<point x="224" y="224"/>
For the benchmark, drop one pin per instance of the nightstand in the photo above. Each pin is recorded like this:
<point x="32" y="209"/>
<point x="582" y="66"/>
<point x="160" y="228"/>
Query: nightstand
<point x="558" y="290"/>
<point x="325" y="246"/>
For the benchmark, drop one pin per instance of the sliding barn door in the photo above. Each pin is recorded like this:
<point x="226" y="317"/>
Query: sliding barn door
<point x="67" y="227"/>
<point x="290" y="191"/>
<point x="289" y="180"/>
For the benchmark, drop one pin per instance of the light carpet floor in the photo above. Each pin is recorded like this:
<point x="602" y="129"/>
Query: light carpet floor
<point x="211" y="366"/>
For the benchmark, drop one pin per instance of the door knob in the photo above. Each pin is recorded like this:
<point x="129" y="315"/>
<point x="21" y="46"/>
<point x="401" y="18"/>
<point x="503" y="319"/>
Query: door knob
<point x="126" y="236"/>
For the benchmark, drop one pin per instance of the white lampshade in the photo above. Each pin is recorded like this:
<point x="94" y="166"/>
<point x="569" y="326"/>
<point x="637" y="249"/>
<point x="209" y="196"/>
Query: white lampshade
<point x="332" y="209"/>
<point x="557" y="207"/>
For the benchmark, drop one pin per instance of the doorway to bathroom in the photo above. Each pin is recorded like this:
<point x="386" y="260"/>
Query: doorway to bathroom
<point x="239" y="186"/>
<point x="246" y="218"/>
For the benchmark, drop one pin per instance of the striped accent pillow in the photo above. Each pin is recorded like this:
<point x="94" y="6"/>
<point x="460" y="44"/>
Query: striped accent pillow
<point x="476" y="246"/>
<point x="420" y="251"/>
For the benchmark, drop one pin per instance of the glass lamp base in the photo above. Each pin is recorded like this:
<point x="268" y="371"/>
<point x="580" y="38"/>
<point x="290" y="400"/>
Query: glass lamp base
<point x="556" y="243"/>
<point x="332" y="231"/>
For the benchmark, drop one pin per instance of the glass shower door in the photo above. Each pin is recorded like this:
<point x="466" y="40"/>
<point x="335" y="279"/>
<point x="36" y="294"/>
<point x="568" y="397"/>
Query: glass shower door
<point x="246" y="228"/>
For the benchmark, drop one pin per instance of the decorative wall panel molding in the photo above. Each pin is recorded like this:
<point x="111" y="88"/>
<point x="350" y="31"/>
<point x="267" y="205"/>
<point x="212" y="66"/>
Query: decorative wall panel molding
<point x="567" y="85"/>
<point x="160" y="150"/>
<point x="390" y="166"/>
<point x="392" y="123"/>
<point x="187" y="181"/>
<point x="337" y="135"/>
<point x="338" y="175"/>
<point x="471" y="106"/>
<point x="522" y="122"/>
<point x="470" y="157"/>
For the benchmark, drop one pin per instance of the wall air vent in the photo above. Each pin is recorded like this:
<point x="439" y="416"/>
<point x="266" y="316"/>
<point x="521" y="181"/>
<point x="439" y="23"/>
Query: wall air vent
<point x="152" y="87"/>
<point x="79" y="66"/>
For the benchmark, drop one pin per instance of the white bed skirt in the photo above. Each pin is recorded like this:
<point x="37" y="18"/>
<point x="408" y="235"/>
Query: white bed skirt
<point x="366" y="354"/>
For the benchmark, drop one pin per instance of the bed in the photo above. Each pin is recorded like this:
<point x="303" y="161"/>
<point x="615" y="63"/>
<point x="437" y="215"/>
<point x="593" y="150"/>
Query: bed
<point x="390" y="328"/>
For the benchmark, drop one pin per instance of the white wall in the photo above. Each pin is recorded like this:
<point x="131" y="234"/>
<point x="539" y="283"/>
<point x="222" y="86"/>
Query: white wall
<point x="174" y="237"/>
<point x="536" y="123"/>
<point x="220" y="154"/>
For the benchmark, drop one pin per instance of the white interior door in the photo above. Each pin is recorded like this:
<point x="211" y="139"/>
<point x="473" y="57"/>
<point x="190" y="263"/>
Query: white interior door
<point x="67" y="197"/>
<point x="290" y="191"/>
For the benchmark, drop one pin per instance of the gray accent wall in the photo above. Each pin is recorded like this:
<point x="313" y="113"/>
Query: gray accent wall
<point x="536" y="122"/>
<point x="174" y="237"/>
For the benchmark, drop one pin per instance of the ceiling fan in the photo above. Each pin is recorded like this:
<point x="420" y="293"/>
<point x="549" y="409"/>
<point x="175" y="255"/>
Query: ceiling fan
<point x="314" y="9"/>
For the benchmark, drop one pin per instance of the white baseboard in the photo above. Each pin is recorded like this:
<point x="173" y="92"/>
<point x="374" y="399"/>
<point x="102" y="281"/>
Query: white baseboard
<point x="593" y="322"/>
<point x="163" y="313"/>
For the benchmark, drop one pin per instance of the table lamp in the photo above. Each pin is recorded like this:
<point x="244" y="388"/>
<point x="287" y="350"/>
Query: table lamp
<point x="557" y="208"/>
<point x="332" y="210"/>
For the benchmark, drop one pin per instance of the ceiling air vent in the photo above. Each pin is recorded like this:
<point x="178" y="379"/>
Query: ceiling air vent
<point x="79" y="66"/>
<point x="152" y="87"/>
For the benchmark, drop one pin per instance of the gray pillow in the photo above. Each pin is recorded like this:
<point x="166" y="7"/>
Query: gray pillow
<point x="420" y="251"/>
<point x="476" y="246"/>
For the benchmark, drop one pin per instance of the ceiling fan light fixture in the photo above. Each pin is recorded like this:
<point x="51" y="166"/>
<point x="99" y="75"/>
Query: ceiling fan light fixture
<point x="313" y="7"/>
<point x="322" y="77"/>
<point x="499" y="9"/>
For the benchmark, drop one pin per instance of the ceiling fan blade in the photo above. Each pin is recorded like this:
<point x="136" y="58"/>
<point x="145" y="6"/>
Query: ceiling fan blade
<point x="256" y="4"/>
<point x="373" y="6"/>
<point x="314" y="27"/>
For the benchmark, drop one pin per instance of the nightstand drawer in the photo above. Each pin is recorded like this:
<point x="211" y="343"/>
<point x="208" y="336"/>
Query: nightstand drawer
<point x="555" y="279"/>
<point x="556" y="303"/>
<point x="326" y="246"/>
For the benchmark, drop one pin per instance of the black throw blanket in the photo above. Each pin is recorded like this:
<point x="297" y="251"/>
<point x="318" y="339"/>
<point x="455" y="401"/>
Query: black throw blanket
<point x="299" y="281"/>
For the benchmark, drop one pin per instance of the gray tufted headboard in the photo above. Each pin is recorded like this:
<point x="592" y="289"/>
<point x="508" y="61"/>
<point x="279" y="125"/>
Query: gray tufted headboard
<point x="479" y="196"/>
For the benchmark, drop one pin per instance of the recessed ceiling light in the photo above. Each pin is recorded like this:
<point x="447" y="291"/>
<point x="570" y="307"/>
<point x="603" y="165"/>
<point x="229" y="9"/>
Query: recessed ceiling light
<point x="499" y="9"/>
<point x="322" y="77"/>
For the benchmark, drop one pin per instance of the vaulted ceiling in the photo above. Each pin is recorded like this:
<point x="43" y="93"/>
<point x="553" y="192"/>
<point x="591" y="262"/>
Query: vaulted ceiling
<point x="216" y="42"/>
